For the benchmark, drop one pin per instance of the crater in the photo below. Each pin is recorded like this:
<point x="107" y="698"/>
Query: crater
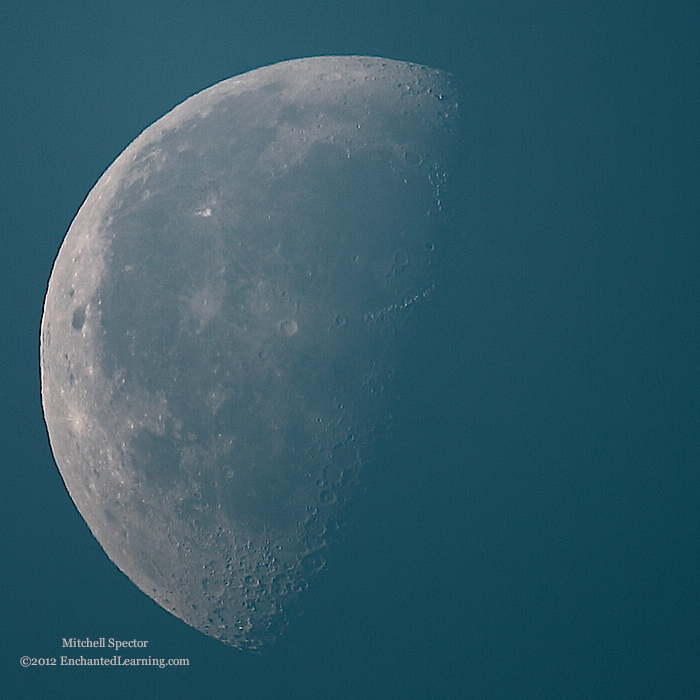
<point x="79" y="317"/>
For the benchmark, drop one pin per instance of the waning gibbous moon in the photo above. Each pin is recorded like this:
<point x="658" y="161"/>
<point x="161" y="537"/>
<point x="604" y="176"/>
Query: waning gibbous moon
<point x="223" y="321"/>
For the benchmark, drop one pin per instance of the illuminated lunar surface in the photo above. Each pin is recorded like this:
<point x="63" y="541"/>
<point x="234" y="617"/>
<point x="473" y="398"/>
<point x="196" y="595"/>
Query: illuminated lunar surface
<point x="222" y="322"/>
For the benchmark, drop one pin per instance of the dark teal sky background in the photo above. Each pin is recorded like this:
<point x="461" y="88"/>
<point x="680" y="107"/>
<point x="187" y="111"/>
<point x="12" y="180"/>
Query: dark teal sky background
<point x="534" y="529"/>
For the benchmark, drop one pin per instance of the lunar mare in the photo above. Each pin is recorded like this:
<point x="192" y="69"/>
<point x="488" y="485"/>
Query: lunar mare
<point x="223" y="322"/>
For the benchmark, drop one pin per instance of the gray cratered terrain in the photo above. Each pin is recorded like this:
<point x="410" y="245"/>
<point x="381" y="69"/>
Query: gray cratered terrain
<point x="224" y="319"/>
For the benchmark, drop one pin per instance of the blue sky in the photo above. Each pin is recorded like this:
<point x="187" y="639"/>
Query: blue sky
<point x="534" y="531"/>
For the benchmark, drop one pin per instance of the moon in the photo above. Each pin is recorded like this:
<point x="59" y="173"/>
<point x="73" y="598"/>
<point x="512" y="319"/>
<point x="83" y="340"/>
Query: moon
<point x="224" y="319"/>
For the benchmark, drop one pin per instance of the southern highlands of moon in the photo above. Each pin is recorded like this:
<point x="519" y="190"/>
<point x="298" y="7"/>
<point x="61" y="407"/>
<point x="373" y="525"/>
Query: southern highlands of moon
<point x="223" y="321"/>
